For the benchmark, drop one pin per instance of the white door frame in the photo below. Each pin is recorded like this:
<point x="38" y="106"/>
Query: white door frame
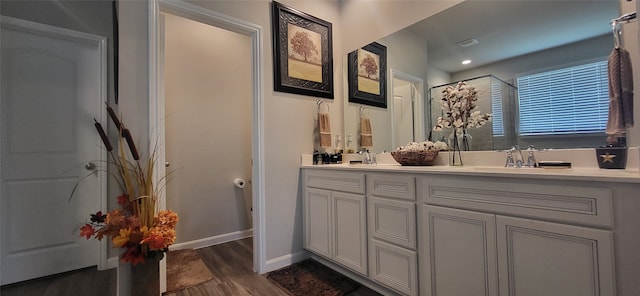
<point x="156" y="103"/>
<point x="418" y="112"/>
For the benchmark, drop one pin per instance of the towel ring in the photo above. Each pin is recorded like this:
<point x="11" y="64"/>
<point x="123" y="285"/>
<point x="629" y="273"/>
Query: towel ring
<point x="617" y="32"/>
<point x="364" y="111"/>
<point x="319" y="103"/>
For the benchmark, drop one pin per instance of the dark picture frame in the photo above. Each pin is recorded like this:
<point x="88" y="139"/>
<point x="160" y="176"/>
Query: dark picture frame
<point x="367" y="75"/>
<point x="302" y="53"/>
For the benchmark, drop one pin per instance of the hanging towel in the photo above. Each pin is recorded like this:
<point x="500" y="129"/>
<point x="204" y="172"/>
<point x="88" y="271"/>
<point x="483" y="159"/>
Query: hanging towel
<point x="324" y="126"/>
<point x="620" y="94"/>
<point x="366" y="136"/>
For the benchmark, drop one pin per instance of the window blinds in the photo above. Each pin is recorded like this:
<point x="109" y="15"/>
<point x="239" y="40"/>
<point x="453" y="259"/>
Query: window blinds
<point x="572" y="100"/>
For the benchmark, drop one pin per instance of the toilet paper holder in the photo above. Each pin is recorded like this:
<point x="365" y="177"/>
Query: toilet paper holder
<point x="239" y="183"/>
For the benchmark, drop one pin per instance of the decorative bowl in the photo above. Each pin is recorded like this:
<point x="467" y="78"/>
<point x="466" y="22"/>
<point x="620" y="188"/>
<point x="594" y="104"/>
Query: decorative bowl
<point x="415" y="158"/>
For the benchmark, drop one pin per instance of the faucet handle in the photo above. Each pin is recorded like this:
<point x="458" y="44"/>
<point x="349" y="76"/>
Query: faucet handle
<point x="510" y="163"/>
<point x="531" y="160"/>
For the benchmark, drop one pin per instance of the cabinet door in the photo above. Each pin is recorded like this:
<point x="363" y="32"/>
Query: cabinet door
<point x="317" y="221"/>
<point x="394" y="266"/>
<point x="542" y="258"/>
<point x="460" y="250"/>
<point x="350" y="234"/>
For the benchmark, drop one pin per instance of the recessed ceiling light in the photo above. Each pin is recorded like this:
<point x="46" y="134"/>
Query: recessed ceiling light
<point x="466" y="62"/>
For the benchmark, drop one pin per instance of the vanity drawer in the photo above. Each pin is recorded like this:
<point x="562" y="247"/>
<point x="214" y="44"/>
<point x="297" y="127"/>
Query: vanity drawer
<point x="392" y="185"/>
<point x="393" y="221"/>
<point x="574" y="202"/>
<point x="335" y="180"/>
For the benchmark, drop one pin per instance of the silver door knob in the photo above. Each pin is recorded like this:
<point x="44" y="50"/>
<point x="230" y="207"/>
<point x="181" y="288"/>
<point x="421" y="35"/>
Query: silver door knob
<point x="90" y="166"/>
<point x="166" y="164"/>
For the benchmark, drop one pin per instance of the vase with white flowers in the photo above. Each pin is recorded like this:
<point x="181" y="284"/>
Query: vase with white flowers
<point x="459" y="104"/>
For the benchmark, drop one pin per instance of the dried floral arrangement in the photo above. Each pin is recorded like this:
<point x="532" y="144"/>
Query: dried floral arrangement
<point x="459" y="102"/>
<point x="138" y="226"/>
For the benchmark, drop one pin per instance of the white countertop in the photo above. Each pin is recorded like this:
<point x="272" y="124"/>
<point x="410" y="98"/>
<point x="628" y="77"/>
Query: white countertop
<point x="487" y="164"/>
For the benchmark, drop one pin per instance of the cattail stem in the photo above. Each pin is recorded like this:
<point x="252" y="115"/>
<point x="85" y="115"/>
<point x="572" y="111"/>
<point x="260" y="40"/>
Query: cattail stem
<point x="103" y="136"/>
<point x="131" y="144"/>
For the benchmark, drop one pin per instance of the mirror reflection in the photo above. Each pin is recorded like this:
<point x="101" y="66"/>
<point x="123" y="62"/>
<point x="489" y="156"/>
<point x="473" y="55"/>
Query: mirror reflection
<point x="507" y="42"/>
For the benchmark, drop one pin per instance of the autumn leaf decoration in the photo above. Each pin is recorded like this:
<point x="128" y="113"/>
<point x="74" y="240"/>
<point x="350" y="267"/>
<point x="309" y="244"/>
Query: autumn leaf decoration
<point x="137" y="225"/>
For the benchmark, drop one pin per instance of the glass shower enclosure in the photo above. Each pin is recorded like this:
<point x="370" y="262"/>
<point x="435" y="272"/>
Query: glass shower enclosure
<point x="495" y="96"/>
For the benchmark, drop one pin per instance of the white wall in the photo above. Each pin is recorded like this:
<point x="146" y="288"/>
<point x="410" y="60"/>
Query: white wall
<point x="208" y="118"/>
<point x="368" y="20"/>
<point x="597" y="47"/>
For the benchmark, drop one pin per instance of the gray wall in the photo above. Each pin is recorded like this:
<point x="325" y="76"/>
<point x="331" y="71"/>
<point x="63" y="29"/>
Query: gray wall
<point x="508" y="70"/>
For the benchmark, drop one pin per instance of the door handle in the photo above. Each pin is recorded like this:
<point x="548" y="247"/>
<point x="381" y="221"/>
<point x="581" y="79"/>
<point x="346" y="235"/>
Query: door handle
<point x="90" y="166"/>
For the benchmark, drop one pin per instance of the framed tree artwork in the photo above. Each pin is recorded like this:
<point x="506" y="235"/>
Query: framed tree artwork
<point x="302" y="53"/>
<point x="367" y="68"/>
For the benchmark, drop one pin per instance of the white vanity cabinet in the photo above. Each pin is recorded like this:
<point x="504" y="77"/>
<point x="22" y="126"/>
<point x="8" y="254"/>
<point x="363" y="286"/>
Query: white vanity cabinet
<point x="487" y="236"/>
<point x="335" y="217"/>
<point x="391" y="203"/>
<point x="443" y="231"/>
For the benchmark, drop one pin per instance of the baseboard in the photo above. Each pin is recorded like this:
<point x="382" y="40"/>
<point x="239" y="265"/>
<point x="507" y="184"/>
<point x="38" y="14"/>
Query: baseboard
<point x="112" y="262"/>
<point x="286" y="260"/>
<point x="213" y="240"/>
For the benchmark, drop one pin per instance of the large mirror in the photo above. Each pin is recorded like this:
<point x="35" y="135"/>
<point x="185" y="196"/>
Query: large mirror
<point x="504" y="40"/>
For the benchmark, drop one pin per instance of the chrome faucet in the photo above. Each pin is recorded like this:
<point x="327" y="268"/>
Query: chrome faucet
<point x="519" y="159"/>
<point x="366" y="158"/>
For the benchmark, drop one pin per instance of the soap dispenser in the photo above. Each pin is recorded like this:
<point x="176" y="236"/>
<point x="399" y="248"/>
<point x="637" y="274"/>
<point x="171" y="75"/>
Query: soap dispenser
<point x="349" y="143"/>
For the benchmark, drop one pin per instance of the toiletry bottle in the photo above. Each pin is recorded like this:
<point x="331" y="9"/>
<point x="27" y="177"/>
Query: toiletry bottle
<point x="316" y="157"/>
<point x="349" y="142"/>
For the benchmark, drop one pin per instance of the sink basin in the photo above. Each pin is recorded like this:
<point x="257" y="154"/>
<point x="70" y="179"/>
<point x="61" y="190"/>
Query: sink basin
<point x="528" y="170"/>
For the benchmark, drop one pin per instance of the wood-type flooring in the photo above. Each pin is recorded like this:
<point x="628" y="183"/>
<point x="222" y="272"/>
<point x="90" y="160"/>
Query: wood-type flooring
<point x="231" y="263"/>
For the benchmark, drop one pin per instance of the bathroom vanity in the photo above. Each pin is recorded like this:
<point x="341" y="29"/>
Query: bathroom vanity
<point x="444" y="230"/>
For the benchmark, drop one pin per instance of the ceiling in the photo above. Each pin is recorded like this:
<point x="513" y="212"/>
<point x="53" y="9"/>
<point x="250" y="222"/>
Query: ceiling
<point x="509" y="28"/>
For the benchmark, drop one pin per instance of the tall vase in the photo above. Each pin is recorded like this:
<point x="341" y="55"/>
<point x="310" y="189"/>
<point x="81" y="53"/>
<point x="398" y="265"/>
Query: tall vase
<point x="145" y="277"/>
<point x="465" y="140"/>
<point x="455" y="156"/>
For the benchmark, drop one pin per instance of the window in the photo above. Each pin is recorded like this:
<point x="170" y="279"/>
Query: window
<point x="496" y="108"/>
<point x="572" y="100"/>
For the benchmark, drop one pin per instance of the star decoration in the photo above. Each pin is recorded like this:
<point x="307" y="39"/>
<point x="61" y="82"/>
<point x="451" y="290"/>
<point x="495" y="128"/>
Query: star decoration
<point x="607" y="157"/>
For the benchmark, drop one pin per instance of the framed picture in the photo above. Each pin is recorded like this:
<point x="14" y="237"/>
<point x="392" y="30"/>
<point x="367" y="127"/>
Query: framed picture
<point x="367" y="68"/>
<point x="302" y="53"/>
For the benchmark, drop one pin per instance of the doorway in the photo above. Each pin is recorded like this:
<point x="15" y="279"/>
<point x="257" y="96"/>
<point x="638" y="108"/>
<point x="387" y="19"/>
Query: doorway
<point x="207" y="86"/>
<point x="407" y="109"/>
<point x="255" y="109"/>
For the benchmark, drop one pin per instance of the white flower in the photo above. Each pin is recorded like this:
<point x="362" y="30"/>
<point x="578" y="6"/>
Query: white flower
<point x="458" y="104"/>
<point x="418" y="146"/>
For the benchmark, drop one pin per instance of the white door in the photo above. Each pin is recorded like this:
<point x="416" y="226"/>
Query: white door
<point x="551" y="259"/>
<point x="460" y="252"/>
<point x="407" y="108"/>
<point x="403" y="105"/>
<point x="53" y="86"/>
